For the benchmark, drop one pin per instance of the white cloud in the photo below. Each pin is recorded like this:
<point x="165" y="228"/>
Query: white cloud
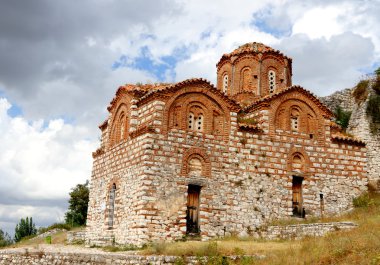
<point x="39" y="165"/>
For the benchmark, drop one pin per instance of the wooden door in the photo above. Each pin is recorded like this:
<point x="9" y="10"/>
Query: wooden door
<point x="192" y="218"/>
<point x="297" y="196"/>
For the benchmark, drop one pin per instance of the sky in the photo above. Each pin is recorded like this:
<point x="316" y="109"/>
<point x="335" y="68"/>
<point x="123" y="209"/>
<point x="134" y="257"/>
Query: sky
<point x="62" y="61"/>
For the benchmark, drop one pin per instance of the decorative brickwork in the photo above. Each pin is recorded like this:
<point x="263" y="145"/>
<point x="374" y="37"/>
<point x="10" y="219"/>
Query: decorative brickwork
<point x="189" y="158"/>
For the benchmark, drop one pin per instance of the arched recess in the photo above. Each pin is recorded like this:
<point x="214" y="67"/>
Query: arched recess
<point x="112" y="199"/>
<point x="298" y="162"/>
<point x="276" y="65"/>
<point x="196" y="162"/>
<point x="295" y="115"/>
<point x="119" y="125"/>
<point x="246" y="79"/>
<point x="193" y="104"/>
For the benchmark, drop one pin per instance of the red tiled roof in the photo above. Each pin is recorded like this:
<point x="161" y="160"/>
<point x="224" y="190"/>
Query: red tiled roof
<point x="346" y="138"/>
<point x="309" y="94"/>
<point x="252" y="47"/>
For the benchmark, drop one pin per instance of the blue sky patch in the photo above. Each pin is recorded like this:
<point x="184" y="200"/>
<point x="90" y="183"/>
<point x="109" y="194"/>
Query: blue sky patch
<point x="261" y="20"/>
<point x="15" y="110"/>
<point x="162" y="68"/>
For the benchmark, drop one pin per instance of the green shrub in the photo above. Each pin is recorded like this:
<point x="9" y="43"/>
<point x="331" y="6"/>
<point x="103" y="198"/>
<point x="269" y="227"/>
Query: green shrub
<point x="342" y="117"/>
<point x="373" y="111"/>
<point x="62" y="226"/>
<point x="48" y="240"/>
<point x="363" y="200"/>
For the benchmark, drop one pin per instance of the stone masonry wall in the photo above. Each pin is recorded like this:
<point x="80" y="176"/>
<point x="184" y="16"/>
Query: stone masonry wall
<point x="249" y="182"/>
<point x="301" y="230"/>
<point x="359" y="126"/>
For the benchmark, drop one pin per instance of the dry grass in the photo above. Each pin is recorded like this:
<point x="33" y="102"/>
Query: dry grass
<point x="58" y="238"/>
<point x="224" y="247"/>
<point x="357" y="246"/>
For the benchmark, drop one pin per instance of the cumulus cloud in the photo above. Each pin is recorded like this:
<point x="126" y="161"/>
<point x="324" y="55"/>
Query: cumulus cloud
<point x="326" y="65"/>
<point x="39" y="164"/>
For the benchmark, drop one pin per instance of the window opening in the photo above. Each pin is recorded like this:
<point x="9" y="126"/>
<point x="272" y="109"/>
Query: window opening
<point x="199" y="125"/>
<point x="192" y="213"/>
<point x="225" y="83"/>
<point x="111" y="206"/>
<point x="191" y="121"/>
<point x="272" y="81"/>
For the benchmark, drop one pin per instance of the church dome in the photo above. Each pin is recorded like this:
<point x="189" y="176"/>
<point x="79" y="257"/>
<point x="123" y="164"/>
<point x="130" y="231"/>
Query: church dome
<point x="252" y="71"/>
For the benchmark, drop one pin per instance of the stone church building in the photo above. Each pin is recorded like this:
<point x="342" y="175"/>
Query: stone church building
<point x="192" y="159"/>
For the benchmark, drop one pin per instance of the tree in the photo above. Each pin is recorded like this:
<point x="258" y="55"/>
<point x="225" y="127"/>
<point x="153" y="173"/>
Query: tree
<point x="24" y="228"/>
<point x="78" y="205"/>
<point x="5" y="239"/>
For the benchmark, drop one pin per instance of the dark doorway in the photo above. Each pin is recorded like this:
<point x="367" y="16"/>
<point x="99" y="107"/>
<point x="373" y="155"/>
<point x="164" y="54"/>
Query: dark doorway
<point x="297" y="206"/>
<point x="192" y="214"/>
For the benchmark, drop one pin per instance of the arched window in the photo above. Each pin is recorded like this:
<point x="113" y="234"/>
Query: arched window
<point x="196" y="119"/>
<point x="191" y="121"/>
<point x="294" y="120"/>
<point x="225" y="83"/>
<point x="272" y="81"/>
<point x="111" y="205"/>
<point x="199" y="123"/>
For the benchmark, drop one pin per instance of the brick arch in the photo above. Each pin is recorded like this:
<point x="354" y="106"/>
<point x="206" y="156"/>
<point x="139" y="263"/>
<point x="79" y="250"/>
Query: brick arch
<point x="311" y="120"/>
<point x="292" y="163"/>
<point x="216" y="112"/>
<point x="119" y="124"/>
<point x="224" y="70"/>
<point x="276" y="64"/>
<point x="200" y="154"/>
<point x="248" y="82"/>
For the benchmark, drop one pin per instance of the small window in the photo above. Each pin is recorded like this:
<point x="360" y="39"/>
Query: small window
<point x="294" y="123"/>
<point x="272" y="81"/>
<point x="199" y="123"/>
<point x="111" y="205"/>
<point x="225" y="83"/>
<point x="191" y="121"/>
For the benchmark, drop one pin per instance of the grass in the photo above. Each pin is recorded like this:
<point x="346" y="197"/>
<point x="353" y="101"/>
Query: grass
<point x="58" y="238"/>
<point x="357" y="246"/>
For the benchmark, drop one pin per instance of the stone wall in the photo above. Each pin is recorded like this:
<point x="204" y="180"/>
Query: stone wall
<point x="359" y="126"/>
<point x="245" y="179"/>
<point x="32" y="257"/>
<point x="302" y="230"/>
<point x="74" y="237"/>
<point x="342" y="98"/>
<point x="40" y="257"/>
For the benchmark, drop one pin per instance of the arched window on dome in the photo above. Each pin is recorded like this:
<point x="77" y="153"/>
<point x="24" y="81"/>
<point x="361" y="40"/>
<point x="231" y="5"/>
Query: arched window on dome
<point x="225" y="83"/>
<point x="111" y="205"/>
<point x="272" y="81"/>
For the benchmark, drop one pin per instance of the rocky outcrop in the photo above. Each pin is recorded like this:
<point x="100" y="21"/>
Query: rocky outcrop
<point x="360" y="127"/>
<point x="342" y="98"/>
